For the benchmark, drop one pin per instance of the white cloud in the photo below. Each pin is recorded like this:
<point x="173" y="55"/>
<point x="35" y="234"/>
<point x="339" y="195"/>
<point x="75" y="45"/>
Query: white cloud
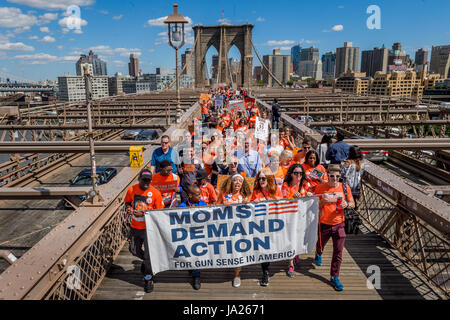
<point x="123" y="52"/>
<point x="44" y="58"/>
<point x="308" y="41"/>
<point x="104" y="11"/>
<point x="47" y="18"/>
<point x="48" y="39"/>
<point x="279" y="43"/>
<point x="341" y="7"/>
<point x="14" y="18"/>
<point x="68" y="23"/>
<point x="336" y="28"/>
<point x="44" y="29"/>
<point x="15" y="46"/>
<point x="224" y="21"/>
<point x="285" y="48"/>
<point x="33" y="37"/>
<point x="159" y="22"/>
<point x="60" y="47"/>
<point x="260" y="19"/>
<point x="119" y="63"/>
<point x="53" y="4"/>
<point x="118" y="17"/>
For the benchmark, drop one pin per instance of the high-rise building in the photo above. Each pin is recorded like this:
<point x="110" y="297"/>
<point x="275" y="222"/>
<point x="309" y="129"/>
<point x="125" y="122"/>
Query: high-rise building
<point x="398" y="60"/>
<point x="374" y="60"/>
<point x="278" y="65"/>
<point x="72" y="88"/>
<point x="214" y="66"/>
<point x="188" y="60"/>
<point x="421" y="60"/>
<point x="328" y="65"/>
<point x="295" y="58"/>
<point x="133" y="66"/>
<point x="257" y="73"/>
<point x="440" y="60"/>
<point x="347" y="59"/>
<point x="98" y="65"/>
<point x="310" y="64"/>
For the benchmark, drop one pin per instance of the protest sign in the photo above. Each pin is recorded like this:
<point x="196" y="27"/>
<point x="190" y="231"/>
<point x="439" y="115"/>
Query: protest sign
<point x="231" y="236"/>
<point x="205" y="96"/>
<point x="236" y="106"/>
<point x="261" y="129"/>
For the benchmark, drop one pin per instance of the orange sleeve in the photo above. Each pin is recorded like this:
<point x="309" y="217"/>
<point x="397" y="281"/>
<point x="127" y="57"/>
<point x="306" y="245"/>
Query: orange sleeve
<point x="129" y="195"/>
<point x="212" y="193"/>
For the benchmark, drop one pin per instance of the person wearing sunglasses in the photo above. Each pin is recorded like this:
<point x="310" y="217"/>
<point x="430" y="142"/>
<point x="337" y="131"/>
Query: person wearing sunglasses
<point x="299" y="157"/>
<point x="139" y="200"/>
<point x="332" y="202"/>
<point x="165" y="152"/>
<point x="265" y="189"/>
<point x="295" y="186"/>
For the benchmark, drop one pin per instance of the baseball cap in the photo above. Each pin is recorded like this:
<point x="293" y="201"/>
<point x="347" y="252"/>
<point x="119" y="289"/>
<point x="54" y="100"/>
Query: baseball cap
<point x="145" y="173"/>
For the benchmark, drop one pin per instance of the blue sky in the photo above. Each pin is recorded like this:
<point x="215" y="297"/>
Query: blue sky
<point x="36" y="44"/>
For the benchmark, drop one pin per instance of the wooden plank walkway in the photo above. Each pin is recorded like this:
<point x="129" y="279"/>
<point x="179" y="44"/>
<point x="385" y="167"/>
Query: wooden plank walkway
<point x="398" y="281"/>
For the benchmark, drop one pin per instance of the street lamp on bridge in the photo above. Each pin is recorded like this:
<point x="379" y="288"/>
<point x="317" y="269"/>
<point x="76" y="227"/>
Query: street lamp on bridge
<point x="175" y="23"/>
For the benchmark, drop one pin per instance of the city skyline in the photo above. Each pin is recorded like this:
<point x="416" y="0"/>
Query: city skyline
<point x="36" y="43"/>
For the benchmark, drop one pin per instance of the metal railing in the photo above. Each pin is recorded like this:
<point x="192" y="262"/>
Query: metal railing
<point x="414" y="223"/>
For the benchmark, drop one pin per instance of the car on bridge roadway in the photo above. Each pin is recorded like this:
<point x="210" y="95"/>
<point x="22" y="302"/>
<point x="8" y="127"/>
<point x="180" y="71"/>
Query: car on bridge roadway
<point x="147" y="135"/>
<point x="331" y="131"/>
<point x="372" y="155"/>
<point x="130" y="134"/>
<point x="104" y="175"/>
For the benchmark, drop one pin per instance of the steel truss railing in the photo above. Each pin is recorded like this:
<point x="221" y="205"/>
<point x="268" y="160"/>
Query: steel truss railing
<point x="414" y="223"/>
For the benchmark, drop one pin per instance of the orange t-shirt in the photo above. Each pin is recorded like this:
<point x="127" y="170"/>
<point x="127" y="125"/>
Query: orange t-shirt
<point x="261" y="195"/>
<point x="208" y="193"/>
<point x="166" y="185"/>
<point x="289" y="191"/>
<point x="309" y="169"/>
<point x="285" y="169"/>
<point x="143" y="200"/>
<point x="329" y="213"/>
<point x="231" y="198"/>
<point x="204" y="108"/>
<point x="285" y="144"/>
<point x="252" y="121"/>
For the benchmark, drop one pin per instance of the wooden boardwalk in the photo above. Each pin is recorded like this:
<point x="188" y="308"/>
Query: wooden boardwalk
<point x="398" y="281"/>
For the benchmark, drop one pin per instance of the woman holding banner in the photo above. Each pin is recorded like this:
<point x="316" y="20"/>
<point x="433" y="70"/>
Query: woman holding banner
<point x="315" y="172"/>
<point x="234" y="190"/>
<point x="265" y="189"/>
<point x="295" y="186"/>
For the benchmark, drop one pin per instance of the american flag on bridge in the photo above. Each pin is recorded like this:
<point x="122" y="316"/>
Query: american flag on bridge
<point x="261" y="209"/>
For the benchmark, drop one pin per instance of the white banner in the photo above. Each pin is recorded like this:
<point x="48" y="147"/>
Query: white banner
<point x="261" y="129"/>
<point x="236" y="105"/>
<point x="231" y="236"/>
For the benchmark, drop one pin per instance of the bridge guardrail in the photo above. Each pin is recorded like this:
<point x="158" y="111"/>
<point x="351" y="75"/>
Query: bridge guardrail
<point x="70" y="262"/>
<point x="414" y="223"/>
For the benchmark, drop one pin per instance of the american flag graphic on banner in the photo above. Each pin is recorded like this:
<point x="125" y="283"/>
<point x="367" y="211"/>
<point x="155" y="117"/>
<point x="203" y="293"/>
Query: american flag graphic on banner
<point x="261" y="209"/>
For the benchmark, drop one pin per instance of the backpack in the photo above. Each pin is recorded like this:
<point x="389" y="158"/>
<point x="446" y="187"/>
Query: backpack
<point x="352" y="219"/>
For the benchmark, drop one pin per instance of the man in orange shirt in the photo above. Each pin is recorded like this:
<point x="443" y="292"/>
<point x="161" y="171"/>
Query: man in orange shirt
<point x="252" y="119"/>
<point x="208" y="193"/>
<point x="167" y="183"/>
<point x="331" y="220"/>
<point x="140" y="199"/>
<point x="306" y="147"/>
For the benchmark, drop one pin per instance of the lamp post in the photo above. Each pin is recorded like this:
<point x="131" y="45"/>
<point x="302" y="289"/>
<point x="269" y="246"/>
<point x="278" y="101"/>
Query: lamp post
<point x="94" y="196"/>
<point x="175" y="23"/>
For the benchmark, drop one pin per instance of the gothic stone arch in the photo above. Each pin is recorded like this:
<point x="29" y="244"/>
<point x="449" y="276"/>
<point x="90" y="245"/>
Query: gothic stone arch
<point x="223" y="37"/>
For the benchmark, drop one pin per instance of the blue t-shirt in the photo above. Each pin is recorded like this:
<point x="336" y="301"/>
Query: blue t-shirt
<point x="158" y="156"/>
<point x="338" y="152"/>
<point x="199" y="204"/>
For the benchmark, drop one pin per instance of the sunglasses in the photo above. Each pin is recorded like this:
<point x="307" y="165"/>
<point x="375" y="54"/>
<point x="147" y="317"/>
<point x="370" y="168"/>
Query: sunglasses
<point x="297" y="172"/>
<point x="262" y="178"/>
<point x="162" y="142"/>
<point x="306" y="147"/>
<point x="145" y="180"/>
<point x="334" y="175"/>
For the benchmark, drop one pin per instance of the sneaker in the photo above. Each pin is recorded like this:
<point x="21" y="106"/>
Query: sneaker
<point x="148" y="285"/>
<point x="318" y="260"/>
<point x="236" y="282"/>
<point x="197" y="283"/>
<point x="290" y="272"/>
<point x="265" y="279"/>
<point x="297" y="261"/>
<point x="337" y="284"/>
